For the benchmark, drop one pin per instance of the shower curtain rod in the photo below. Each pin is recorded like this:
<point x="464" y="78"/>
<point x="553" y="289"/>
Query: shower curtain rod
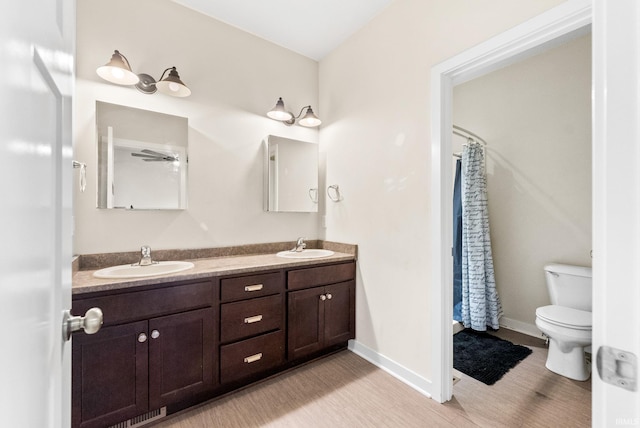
<point x="458" y="130"/>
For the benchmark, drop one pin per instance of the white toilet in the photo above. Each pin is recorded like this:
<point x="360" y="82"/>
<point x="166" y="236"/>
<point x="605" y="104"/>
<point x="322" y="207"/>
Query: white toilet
<point x="567" y="321"/>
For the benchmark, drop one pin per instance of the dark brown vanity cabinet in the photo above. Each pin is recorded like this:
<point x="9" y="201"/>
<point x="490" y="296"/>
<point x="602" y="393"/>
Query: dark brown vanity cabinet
<point x="321" y="308"/>
<point x="181" y="343"/>
<point x="156" y="347"/>
<point x="252" y="321"/>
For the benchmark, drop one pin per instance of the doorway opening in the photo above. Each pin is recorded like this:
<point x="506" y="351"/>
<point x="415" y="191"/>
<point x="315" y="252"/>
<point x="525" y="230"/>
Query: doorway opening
<point x="555" y="27"/>
<point x="536" y="118"/>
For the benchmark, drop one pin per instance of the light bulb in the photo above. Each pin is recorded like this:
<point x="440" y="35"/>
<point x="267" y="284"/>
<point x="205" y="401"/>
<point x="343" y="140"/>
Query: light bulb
<point x="279" y="115"/>
<point x="117" y="73"/>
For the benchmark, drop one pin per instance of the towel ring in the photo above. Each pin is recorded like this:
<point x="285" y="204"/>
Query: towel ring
<point x="313" y="195"/>
<point x="333" y="192"/>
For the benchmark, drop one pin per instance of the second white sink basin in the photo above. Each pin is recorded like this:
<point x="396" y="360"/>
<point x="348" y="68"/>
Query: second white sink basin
<point x="136" y="271"/>
<point x="305" y="254"/>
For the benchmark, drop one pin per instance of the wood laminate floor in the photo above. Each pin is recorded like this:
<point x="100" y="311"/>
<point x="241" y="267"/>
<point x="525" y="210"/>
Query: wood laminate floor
<point x="343" y="390"/>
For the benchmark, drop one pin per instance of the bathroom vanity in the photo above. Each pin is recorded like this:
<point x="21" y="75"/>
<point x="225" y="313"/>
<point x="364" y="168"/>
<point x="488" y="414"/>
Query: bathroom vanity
<point x="170" y="342"/>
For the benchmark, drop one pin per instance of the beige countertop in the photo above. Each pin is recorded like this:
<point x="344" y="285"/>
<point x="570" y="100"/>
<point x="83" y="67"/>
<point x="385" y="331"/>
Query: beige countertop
<point x="84" y="281"/>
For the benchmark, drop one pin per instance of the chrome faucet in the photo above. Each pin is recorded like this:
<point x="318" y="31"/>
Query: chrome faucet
<point x="300" y="245"/>
<point x="145" y="253"/>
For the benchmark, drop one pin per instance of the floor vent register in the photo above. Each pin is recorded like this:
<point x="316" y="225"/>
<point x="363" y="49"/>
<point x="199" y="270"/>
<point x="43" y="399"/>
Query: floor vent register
<point x="141" y="420"/>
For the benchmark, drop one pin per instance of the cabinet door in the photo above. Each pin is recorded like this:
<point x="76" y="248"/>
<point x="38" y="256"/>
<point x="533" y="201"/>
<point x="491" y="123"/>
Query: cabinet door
<point x="339" y="313"/>
<point x="182" y="359"/>
<point x="306" y="323"/>
<point x="109" y="375"/>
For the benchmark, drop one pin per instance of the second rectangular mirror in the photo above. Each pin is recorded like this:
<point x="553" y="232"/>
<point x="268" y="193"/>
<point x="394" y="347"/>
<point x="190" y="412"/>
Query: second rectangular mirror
<point x="291" y="175"/>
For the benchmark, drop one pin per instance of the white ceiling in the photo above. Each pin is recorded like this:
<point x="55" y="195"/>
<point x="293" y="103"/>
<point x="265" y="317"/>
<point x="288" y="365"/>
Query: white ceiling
<point x="312" y="28"/>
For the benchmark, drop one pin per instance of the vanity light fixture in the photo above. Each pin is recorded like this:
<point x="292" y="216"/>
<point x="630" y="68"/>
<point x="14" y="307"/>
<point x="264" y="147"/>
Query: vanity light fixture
<point x="118" y="71"/>
<point x="309" y="120"/>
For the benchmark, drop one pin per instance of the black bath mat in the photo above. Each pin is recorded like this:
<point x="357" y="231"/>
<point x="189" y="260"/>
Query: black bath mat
<point x="485" y="357"/>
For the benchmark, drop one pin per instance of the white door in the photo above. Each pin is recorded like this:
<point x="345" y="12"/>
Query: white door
<point x="36" y="83"/>
<point x="616" y="212"/>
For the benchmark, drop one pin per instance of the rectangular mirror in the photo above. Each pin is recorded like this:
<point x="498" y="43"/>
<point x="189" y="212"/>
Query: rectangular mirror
<point x="142" y="158"/>
<point x="291" y="175"/>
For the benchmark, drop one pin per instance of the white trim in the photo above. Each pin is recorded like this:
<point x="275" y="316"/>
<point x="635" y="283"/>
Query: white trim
<point x="521" y="327"/>
<point x="563" y="22"/>
<point x="457" y="327"/>
<point x="401" y="373"/>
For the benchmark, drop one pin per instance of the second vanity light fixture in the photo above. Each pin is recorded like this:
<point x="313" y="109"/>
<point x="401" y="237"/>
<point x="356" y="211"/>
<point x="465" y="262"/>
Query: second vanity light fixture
<point x="310" y="120"/>
<point x="118" y="71"/>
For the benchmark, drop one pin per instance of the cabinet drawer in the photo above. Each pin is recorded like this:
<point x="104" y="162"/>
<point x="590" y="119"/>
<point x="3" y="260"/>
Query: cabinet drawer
<point x="321" y="275"/>
<point x="137" y="305"/>
<point x="250" y="317"/>
<point x="251" y="356"/>
<point x="246" y="287"/>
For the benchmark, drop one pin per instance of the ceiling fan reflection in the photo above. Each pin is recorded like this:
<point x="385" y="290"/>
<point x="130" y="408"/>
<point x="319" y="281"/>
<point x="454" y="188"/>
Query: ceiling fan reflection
<point x="153" y="156"/>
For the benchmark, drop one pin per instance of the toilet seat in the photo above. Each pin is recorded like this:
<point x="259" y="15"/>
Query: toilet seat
<point x="565" y="317"/>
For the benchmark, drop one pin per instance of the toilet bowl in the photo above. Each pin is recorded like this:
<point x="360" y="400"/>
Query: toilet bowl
<point x="569" y="333"/>
<point x="567" y="322"/>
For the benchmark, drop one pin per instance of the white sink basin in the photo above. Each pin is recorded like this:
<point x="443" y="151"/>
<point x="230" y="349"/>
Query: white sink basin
<point x="305" y="254"/>
<point x="135" y="271"/>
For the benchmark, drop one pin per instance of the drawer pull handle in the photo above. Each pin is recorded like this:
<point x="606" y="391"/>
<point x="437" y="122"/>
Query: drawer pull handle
<point x="251" y="320"/>
<point x="253" y="358"/>
<point x="255" y="287"/>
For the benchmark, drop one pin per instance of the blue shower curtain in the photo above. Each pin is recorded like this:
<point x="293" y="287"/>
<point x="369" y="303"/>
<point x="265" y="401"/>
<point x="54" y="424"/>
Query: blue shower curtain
<point x="457" y="244"/>
<point x="480" y="303"/>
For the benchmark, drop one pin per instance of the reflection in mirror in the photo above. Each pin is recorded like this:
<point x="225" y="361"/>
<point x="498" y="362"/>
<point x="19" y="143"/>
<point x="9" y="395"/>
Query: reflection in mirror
<point x="142" y="158"/>
<point x="291" y="175"/>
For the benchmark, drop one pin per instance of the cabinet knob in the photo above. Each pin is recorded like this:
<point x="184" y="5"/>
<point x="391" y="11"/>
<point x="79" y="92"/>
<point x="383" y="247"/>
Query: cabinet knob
<point x="142" y="338"/>
<point x="155" y="334"/>
<point x="329" y="296"/>
<point x="323" y="297"/>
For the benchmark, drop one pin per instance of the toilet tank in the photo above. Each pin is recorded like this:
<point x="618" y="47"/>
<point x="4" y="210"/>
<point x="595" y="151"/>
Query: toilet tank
<point x="569" y="286"/>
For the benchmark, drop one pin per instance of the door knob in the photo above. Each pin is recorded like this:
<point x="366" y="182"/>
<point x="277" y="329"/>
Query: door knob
<point x="329" y="296"/>
<point x="155" y="334"/>
<point x="90" y="322"/>
<point x="142" y="337"/>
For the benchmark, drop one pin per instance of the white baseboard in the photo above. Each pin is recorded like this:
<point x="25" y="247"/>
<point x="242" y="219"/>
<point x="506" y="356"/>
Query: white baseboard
<point x="401" y="373"/>
<point x="521" y="327"/>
